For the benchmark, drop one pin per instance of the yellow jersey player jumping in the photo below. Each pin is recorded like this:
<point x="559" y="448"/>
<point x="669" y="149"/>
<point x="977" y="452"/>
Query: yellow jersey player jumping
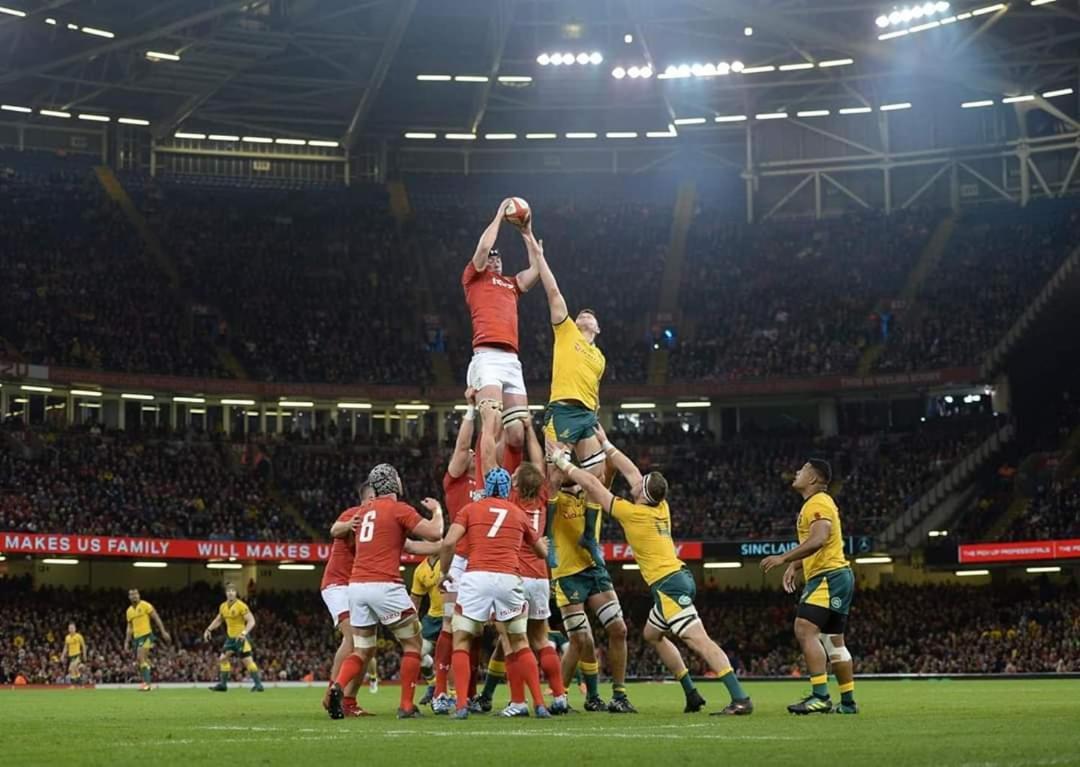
<point x="140" y="636"/>
<point x="239" y="621"/>
<point x="646" y="522"/>
<point x="826" y="599"/>
<point x="425" y="583"/>
<point x="74" y="652"/>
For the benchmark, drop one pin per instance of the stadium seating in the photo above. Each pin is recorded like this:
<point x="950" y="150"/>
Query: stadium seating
<point x="896" y="629"/>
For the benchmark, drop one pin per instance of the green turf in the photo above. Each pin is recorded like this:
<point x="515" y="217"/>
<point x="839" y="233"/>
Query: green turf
<point x="935" y="724"/>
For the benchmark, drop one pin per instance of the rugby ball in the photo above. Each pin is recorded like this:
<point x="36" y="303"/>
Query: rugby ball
<point x="517" y="212"/>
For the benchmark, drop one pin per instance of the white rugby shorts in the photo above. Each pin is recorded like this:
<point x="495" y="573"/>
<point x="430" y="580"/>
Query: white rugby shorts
<point x="495" y="367"/>
<point x="336" y="599"/>
<point x="371" y="603"/>
<point x="457" y="569"/>
<point x="538" y="595"/>
<point x="485" y="596"/>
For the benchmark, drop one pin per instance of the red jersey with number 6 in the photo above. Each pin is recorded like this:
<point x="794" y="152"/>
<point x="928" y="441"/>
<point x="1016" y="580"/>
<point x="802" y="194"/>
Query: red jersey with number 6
<point x="535" y="510"/>
<point x="380" y="538"/>
<point x="496" y="529"/>
<point x="339" y="565"/>
<point x="493" y="304"/>
<point x="459" y="492"/>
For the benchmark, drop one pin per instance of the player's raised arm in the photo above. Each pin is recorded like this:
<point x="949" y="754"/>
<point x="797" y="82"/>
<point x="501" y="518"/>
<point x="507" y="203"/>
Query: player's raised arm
<point x="161" y="626"/>
<point x="214" y="624"/>
<point x="556" y="302"/>
<point x="593" y="487"/>
<point x="430" y="529"/>
<point x="459" y="461"/>
<point x="526" y="279"/>
<point x="619" y="460"/>
<point x="534" y="451"/>
<point x="488" y="238"/>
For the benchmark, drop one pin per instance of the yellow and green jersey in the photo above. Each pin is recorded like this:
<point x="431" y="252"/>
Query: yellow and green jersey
<point x="74" y="644"/>
<point x="648" y="531"/>
<point x="567" y="514"/>
<point x="425" y="583"/>
<point x="138" y="616"/>
<point x="235" y="616"/>
<point x="831" y="555"/>
<point x="576" y="367"/>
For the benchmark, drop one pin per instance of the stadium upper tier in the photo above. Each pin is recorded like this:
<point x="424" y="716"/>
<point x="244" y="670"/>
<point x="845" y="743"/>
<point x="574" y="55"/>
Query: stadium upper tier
<point x="325" y="286"/>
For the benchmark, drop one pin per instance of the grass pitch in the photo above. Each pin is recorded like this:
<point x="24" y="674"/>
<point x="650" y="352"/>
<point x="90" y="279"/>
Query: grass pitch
<point x="1015" y="723"/>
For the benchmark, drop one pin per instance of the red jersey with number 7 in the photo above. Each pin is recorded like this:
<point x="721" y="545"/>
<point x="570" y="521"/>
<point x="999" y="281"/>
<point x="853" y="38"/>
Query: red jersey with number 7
<point x="496" y="529"/>
<point x="380" y="538"/>
<point x="339" y="565"/>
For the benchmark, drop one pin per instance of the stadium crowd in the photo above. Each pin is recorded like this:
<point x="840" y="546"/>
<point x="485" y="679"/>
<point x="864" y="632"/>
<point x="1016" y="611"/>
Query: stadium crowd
<point x="894" y="629"/>
<point x="326" y="286"/>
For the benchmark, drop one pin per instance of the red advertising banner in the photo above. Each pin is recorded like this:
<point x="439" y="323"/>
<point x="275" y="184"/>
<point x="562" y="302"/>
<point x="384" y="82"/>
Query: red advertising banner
<point x="1018" y="551"/>
<point x="61" y="544"/>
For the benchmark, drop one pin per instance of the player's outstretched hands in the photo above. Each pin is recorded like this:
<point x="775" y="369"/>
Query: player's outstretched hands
<point x="768" y="563"/>
<point x="791" y="579"/>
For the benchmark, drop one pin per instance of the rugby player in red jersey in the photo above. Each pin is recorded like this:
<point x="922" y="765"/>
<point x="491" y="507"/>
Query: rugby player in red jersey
<point x="335" y="594"/>
<point x="495" y="370"/>
<point x="377" y="592"/>
<point x="491" y="585"/>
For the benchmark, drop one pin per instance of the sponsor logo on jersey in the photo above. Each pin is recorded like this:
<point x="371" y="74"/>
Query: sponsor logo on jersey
<point x="685" y="600"/>
<point x="836" y="603"/>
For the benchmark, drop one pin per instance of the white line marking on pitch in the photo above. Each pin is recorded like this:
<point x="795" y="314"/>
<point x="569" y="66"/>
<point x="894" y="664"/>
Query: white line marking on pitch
<point x="566" y="734"/>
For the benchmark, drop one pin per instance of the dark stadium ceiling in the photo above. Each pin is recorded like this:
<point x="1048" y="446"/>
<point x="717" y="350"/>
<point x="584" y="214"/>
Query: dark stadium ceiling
<point x="347" y="69"/>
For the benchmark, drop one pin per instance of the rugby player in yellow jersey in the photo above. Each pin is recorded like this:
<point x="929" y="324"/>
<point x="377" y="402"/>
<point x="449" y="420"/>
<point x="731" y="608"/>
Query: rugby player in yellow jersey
<point x="140" y="635"/>
<point x="239" y="621"/>
<point x="74" y="651"/>
<point x="646" y="522"/>
<point x="826" y="599"/>
<point x="425" y="583"/>
<point x="580" y="579"/>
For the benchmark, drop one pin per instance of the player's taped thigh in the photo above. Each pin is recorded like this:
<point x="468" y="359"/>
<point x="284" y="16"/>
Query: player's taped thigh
<point x="609" y="612"/>
<point x="595" y="459"/>
<point x="681" y="622"/>
<point x="836" y="654"/>
<point x="426" y="647"/>
<point x="405" y="630"/>
<point x="364" y="641"/>
<point x="468" y="625"/>
<point x="576" y="623"/>
<point x="515" y="413"/>
<point x="519" y="625"/>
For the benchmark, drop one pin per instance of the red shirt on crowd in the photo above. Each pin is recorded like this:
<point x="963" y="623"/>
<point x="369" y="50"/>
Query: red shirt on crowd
<point x="380" y="538"/>
<point x="496" y="529"/>
<point x="339" y="565"/>
<point x="493" y="304"/>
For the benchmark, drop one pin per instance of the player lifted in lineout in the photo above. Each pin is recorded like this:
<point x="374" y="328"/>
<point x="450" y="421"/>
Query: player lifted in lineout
<point x="491" y="585"/>
<point x="239" y="622"/>
<point x="377" y="593"/>
<point x="495" y="370"/>
<point x="826" y="599"/>
<point x="646" y="522"/>
<point x="140" y="635"/>
<point x="335" y="594"/>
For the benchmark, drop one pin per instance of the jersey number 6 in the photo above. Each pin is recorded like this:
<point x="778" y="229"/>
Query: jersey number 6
<point x="367" y="527"/>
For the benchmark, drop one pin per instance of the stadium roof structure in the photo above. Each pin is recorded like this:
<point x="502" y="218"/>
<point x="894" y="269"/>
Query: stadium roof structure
<point x="347" y="69"/>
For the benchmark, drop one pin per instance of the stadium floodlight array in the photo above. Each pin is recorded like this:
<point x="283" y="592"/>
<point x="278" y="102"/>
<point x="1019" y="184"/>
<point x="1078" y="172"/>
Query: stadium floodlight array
<point x="162" y="56"/>
<point x="908" y="14"/>
<point x="725" y="68"/>
<point x="944" y="21"/>
<point x="557" y="59"/>
<point x="633" y="72"/>
<point x="504" y="79"/>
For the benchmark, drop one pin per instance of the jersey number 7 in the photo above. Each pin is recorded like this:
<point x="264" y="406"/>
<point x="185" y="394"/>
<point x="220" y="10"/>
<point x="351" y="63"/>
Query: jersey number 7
<point x="500" y="517"/>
